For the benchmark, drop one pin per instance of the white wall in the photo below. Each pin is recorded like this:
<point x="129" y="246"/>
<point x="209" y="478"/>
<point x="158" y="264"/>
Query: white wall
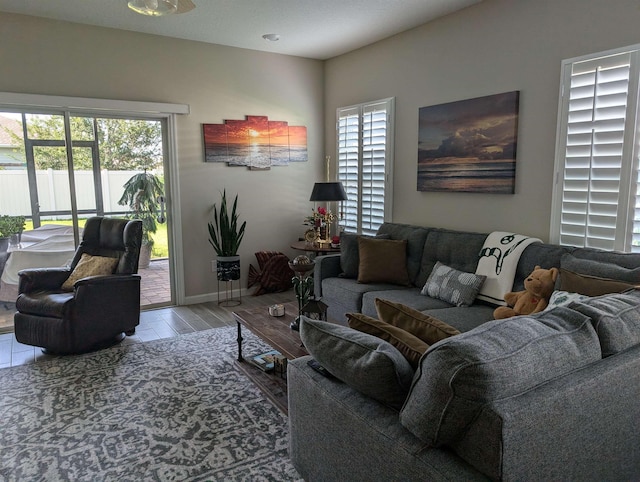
<point x="57" y="58"/>
<point x="492" y="47"/>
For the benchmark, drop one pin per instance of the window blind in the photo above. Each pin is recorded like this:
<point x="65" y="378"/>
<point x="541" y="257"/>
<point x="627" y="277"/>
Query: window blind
<point x="364" y="164"/>
<point x="597" y="162"/>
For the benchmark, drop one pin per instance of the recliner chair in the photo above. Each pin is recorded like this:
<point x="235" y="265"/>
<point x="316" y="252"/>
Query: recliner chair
<point x="99" y="309"/>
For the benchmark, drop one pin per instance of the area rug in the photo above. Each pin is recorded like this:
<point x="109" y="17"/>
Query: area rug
<point x="173" y="409"/>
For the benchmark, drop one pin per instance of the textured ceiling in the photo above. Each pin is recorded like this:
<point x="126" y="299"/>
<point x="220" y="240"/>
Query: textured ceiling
<point x="318" y="29"/>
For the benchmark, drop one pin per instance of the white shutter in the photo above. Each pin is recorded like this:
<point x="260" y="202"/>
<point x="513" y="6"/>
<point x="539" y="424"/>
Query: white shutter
<point x="594" y="158"/>
<point x="364" y="164"/>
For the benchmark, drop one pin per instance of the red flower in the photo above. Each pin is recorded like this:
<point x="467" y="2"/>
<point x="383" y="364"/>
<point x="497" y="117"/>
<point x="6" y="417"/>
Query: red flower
<point x="322" y="211"/>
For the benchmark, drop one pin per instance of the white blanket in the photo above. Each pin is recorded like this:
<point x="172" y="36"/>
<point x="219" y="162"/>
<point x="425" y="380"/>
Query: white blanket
<point x="498" y="262"/>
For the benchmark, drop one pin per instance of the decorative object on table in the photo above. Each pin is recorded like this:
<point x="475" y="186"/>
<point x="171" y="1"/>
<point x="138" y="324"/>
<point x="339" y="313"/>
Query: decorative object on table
<point x="225" y="236"/>
<point x="276" y="310"/>
<point x="280" y="365"/>
<point x="335" y="241"/>
<point x="11" y="228"/>
<point x="265" y="361"/>
<point x="320" y="220"/>
<point x="141" y="193"/>
<point x="302" y="284"/>
<point x="315" y="309"/>
<point x="469" y="145"/>
<point x="255" y="142"/>
<point x="273" y="275"/>
<point x="311" y="236"/>
<point x="323" y="217"/>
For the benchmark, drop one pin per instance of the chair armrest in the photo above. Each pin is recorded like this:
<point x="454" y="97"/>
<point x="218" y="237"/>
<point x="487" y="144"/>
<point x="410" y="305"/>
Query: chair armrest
<point x="35" y="279"/>
<point x="107" y="291"/>
<point x="325" y="267"/>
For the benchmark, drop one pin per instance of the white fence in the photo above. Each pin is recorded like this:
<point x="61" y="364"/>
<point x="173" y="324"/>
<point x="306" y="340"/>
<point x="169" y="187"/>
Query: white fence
<point x="53" y="190"/>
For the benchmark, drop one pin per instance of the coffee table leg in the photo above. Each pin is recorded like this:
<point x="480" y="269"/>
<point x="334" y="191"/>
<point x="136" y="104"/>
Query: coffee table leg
<point x="240" y="358"/>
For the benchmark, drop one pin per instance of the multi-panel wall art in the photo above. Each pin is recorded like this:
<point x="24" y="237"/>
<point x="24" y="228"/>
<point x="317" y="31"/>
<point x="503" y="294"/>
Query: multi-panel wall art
<point x="469" y="145"/>
<point x="255" y="142"/>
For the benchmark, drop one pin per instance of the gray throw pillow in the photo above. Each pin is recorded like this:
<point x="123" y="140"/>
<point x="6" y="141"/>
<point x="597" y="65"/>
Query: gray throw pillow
<point x="616" y="319"/>
<point x="600" y="269"/>
<point x="453" y="286"/>
<point x="364" y="362"/>
<point x="459" y="376"/>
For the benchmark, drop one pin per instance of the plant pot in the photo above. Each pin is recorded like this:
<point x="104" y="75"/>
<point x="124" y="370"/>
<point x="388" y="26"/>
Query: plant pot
<point x="228" y="268"/>
<point x="145" y="256"/>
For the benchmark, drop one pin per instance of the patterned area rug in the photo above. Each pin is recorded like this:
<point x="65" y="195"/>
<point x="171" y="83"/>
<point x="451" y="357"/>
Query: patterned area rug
<point x="175" y="409"/>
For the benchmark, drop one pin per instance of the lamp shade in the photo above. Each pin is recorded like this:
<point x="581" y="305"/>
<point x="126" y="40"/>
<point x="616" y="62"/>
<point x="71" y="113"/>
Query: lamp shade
<point x="328" y="191"/>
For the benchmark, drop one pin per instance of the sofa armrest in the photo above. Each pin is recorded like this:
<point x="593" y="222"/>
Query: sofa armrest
<point x="325" y="267"/>
<point x="47" y="279"/>
<point x="581" y="426"/>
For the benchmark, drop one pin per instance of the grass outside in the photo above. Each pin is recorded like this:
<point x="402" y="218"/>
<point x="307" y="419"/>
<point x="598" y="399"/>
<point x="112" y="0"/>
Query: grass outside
<point x="160" y="242"/>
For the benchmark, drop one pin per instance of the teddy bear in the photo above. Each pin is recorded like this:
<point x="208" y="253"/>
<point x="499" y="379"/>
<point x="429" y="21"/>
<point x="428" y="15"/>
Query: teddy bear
<point x="537" y="290"/>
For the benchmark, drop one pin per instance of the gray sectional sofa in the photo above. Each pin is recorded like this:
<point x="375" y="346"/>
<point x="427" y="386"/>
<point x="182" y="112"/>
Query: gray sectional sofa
<point x="550" y="396"/>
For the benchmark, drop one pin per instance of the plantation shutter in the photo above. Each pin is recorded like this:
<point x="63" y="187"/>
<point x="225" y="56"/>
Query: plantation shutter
<point x="598" y="164"/>
<point x="364" y="164"/>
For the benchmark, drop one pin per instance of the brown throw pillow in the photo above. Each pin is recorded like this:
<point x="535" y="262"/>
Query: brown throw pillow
<point x="590" y="285"/>
<point x="90" y="266"/>
<point x="383" y="261"/>
<point x="411" y="347"/>
<point x="427" y="328"/>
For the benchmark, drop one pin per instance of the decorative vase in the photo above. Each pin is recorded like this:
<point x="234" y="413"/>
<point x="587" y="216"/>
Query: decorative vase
<point x="228" y="268"/>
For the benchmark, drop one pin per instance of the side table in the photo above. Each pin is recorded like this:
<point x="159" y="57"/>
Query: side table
<point x="317" y="250"/>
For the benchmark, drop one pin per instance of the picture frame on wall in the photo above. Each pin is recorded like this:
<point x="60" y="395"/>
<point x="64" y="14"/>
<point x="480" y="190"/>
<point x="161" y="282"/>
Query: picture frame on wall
<point x="469" y="145"/>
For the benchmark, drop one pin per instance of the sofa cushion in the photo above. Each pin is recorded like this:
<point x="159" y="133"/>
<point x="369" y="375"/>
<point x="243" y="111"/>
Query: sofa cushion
<point x="588" y="285"/>
<point x="349" y="254"/>
<point x="616" y="319"/>
<point x="465" y="318"/>
<point x="90" y="266"/>
<point x="415" y="237"/>
<point x="453" y="286"/>
<point x="407" y="296"/>
<point x="457" y="249"/>
<point x="608" y="265"/>
<point x="425" y="327"/>
<point x="411" y="347"/>
<point x="499" y="359"/>
<point x="546" y="256"/>
<point x="370" y="365"/>
<point x="382" y="261"/>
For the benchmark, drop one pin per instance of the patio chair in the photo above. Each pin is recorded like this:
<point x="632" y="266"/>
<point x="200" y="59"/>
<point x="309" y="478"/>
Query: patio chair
<point x="91" y="303"/>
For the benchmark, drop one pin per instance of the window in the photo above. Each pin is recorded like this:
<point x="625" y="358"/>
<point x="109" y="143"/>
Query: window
<point x="365" y="159"/>
<point x="596" y="200"/>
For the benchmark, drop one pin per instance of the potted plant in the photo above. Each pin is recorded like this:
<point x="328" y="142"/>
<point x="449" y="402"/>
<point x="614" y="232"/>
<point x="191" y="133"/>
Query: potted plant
<point x="10" y="227"/>
<point x="225" y="236"/>
<point x="141" y="193"/>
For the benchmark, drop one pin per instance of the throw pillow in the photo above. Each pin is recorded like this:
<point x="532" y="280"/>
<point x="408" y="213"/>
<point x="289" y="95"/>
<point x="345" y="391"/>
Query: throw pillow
<point x="425" y="327"/>
<point x="563" y="298"/>
<point x="460" y="376"/>
<point x="383" y="261"/>
<point x="588" y="285"/>
<point x="616" y="319"/>
<point x="366" y="363"/>
<point x="453" y="286"/>
<point x="602" y="269"/>
<point x="349" y="255"/>
<point x="90" y="266"/>
<point x="411" y="347"/>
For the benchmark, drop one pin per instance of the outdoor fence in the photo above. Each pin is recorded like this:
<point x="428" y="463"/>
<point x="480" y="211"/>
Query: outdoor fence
<point x="53" y="190"/>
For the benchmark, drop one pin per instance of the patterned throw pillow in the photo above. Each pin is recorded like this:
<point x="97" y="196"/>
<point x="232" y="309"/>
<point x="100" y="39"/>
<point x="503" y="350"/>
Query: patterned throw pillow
<point x="453" y="286"/>
<point x="90" y="266"/>
<point x="563" y="298"/>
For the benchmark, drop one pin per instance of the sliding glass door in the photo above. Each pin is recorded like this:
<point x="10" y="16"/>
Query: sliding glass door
<point x="59" y="168"/>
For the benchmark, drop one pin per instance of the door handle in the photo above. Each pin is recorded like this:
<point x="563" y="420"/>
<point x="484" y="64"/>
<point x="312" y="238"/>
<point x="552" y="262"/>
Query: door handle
<point x="161" y="217"/>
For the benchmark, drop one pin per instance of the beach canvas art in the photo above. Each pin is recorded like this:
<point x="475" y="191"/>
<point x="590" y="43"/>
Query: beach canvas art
<point x="255" y="142"/>
<point x="469" y="145"/>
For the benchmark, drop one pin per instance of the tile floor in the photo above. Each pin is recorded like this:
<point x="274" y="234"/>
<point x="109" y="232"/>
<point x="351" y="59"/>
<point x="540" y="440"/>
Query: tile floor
<point x="154" y="324"/>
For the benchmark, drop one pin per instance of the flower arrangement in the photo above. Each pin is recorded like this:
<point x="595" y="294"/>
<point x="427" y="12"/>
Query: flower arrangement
<point x="319" y="217"/>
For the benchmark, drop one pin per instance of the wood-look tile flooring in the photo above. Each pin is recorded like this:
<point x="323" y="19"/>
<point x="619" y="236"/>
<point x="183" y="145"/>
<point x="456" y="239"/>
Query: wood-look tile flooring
<point x="154" y="325"/>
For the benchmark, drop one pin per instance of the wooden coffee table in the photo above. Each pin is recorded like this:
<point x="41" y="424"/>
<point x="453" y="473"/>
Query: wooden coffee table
<point x="276" y="332"/>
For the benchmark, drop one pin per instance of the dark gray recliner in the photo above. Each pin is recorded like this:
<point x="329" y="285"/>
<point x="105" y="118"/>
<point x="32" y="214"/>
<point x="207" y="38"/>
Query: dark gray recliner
<point x="99" y="309"/>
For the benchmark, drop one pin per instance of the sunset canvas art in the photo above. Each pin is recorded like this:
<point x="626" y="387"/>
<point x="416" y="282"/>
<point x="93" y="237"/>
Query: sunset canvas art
<point x="469" y="145"/>
<point x="255" y="142"/>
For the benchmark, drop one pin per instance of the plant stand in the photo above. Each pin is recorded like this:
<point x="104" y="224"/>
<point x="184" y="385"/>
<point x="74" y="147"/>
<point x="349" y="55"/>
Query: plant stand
<point x="229" y="299"/>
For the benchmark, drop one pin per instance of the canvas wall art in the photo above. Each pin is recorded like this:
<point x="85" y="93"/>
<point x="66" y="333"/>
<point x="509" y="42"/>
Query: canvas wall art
<point x="255" y="142"/>
<point x="469" y="145"/>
